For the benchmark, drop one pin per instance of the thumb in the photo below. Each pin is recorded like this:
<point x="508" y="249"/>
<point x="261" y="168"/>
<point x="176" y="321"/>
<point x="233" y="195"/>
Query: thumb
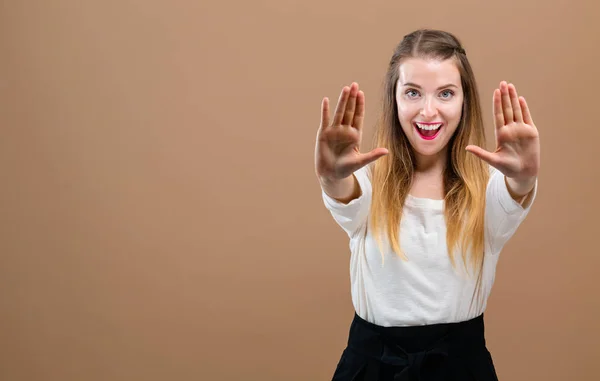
<point x="369" y="157"/>
<point x="484" y="155"/>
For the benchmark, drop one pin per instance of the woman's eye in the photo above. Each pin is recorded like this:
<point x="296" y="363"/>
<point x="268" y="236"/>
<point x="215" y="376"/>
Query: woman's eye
<point x="412" y="93"/>
<point x="447" y="94"/>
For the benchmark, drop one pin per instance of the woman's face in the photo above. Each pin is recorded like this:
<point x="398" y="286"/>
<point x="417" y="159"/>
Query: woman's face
<point x="429" y="97"/>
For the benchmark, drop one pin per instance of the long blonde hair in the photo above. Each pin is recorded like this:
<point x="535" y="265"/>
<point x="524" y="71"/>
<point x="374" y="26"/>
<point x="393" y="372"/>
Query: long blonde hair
<point x="465" y="176"/>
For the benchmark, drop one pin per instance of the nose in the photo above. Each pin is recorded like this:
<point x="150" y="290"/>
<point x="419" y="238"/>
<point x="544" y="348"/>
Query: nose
<point x="429" y="109"/>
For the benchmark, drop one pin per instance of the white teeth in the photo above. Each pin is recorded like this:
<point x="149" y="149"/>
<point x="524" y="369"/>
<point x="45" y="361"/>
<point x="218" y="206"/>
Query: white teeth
<point x="429" y="126"/>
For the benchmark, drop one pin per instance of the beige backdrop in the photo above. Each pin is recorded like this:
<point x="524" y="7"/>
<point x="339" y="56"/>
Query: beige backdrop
<point x="160" y="217"/>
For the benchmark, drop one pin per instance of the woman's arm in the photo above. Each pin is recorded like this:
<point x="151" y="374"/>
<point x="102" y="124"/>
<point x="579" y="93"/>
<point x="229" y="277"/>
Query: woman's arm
<point x="342" y="170"/>
<point x="520" y="190"/>
<point x="344" y="190"/>
<point x="515" y="162"/>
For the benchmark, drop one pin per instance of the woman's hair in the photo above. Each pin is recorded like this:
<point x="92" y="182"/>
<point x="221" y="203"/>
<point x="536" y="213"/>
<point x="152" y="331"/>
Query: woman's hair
<point x="465" y="176"/>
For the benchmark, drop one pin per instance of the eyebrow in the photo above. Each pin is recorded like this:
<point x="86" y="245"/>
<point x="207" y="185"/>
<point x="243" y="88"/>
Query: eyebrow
<point x="410" y="84"/>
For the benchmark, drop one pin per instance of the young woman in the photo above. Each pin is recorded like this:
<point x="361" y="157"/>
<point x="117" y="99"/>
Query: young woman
<point x="427" y="211"/>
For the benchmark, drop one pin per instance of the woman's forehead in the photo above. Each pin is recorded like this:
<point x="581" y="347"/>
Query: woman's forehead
<point x="428" y="73"/>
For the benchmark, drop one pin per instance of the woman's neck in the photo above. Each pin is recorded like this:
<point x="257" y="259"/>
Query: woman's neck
<point x="428" y="178"/>
<point x="430" y="165"/>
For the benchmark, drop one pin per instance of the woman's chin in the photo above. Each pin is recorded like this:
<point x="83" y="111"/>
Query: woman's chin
<point x="429" y="151"/>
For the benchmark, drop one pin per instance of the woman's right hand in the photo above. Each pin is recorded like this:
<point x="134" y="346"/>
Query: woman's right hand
<point x="337" y="152"/>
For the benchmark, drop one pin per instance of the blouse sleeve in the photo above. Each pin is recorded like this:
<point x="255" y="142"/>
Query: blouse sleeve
<point x="503" y="214"/>
<point x="353" y="215"/>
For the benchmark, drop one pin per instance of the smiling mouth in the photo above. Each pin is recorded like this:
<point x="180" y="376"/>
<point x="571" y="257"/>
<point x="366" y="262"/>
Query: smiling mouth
<point x="428" y="131"/>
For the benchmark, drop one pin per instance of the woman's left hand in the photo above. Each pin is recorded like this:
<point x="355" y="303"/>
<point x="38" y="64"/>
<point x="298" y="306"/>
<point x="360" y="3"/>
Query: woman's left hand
<point x="517" y="153"/>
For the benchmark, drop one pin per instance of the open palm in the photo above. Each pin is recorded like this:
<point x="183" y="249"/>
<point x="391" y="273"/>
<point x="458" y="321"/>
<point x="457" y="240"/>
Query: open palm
<point x="517" y="153"/>
<point x="337" y="151"/>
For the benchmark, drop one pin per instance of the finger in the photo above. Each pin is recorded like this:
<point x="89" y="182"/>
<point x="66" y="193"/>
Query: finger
<point x="506" y="106"/>
<point x="359" y="115"/>
<point x="488" y="157"/>
<point x="369" y="157"/>
<point x="341" y="106"/>
<point x="350" y="105"/>
<point x="498" y="113"/>
<point x="514" y="101"/>
<point x="526" y="113"/>
<point x="325" y="113"/>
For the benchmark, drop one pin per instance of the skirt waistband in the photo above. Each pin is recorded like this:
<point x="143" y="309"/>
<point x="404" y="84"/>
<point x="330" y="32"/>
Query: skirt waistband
<point x="469" y="328"/>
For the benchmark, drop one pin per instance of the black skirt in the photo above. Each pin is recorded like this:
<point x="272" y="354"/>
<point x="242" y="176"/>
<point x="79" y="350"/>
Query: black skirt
<point x="448" y="352"/>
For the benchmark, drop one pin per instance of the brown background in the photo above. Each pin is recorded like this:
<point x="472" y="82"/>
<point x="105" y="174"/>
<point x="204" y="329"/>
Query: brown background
<point x="160" y="217"/>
